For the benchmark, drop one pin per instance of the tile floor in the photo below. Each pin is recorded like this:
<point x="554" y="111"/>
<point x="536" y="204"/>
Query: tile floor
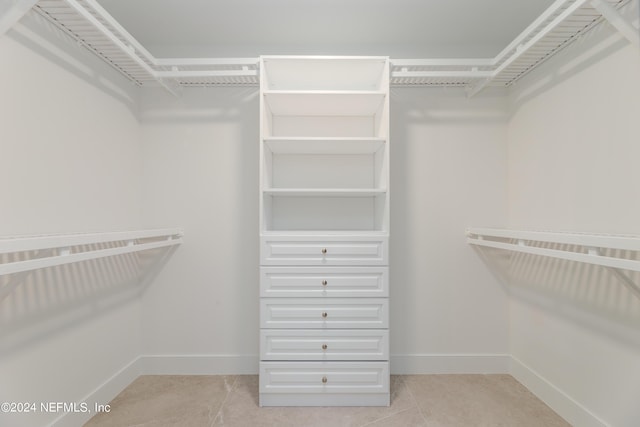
<point x="416" y="400"/>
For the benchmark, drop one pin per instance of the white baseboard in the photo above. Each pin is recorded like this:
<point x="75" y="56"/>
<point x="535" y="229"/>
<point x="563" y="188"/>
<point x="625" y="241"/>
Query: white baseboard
<point x="563" y="404"/>
<point x="102" y="395"/>
<point x="217" y="364"/>
<point x="415" y="364"/>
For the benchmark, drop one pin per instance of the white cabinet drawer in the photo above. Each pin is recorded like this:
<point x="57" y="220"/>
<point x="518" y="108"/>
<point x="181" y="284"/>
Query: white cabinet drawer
<point x="324" y="313"/>
<point x="324" y="282"/>
<point x="324" y="377"/>
<point x="325" y="250"/>
<point x="330" y="344"/>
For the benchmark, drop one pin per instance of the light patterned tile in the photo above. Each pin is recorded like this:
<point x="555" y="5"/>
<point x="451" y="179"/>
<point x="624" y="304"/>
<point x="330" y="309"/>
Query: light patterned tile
<point x="417" y="400"/>
<point x="479" y="400"/>
<point x="160" y="398"/>
<point x="407" y="418"/>
<point x="241" y="409"/>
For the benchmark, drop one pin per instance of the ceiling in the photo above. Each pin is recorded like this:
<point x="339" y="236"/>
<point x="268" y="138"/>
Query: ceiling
<point x="397" y="28"/>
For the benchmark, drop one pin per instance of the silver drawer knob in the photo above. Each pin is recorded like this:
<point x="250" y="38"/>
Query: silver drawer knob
<point x="324" y="380"/>
<point x="324" y="283"/>
<point x="324" y="314"/>
<point x="324" y="346"/>
<point x="324" y="251"/>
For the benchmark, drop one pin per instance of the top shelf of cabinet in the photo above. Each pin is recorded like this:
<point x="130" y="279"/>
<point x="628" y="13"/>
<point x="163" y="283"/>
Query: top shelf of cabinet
<point x="325" y="73"/>
<point x="324" y="102"/>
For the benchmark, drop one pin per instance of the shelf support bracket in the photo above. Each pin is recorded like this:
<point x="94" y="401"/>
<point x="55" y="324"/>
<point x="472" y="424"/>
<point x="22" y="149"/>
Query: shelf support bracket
<point x="476" y="88"/>
<point x="171" y="86"/>
<point x="624" y="278"/>
<point x="21" y="277"/>
<point x="11" y="11"/>
<point x="617" y="21"/>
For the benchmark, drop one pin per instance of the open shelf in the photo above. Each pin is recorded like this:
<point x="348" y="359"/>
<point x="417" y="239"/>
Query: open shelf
<point x="319" y="164"/>
<point x="325" y="192"/>
<point x="325" y="209"/>
<point x="324" y="145"/>
<point x="324" y="102"/>
<point x="324" y="73"/>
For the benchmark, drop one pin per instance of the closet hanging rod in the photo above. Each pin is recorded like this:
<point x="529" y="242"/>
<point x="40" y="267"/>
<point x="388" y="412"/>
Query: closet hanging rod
<point x="49" y="241"/>
<point x="611" y="241"/>
<point x="57" y="249"/>
<point x="452" y="74"/>
<point x="444" y="62"/>
<point x="592" y="245"/>
<point x="169" y="62"/>
<point x="205" y="73"/>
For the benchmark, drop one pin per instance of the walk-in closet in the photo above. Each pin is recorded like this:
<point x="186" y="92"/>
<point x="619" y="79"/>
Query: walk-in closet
<point x="319" y="213"/>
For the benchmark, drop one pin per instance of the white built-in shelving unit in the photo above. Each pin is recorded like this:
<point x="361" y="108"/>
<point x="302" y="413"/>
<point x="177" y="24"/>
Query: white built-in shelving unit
<point x="324" y="150"/>
<point x="324" y="223"/>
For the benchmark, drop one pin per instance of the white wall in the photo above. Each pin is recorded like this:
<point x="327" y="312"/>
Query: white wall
<point x="448" y="172"/>
<point x="69" y="162"/>
<point x="574" y="147"/>
<point x="201" y="171"/>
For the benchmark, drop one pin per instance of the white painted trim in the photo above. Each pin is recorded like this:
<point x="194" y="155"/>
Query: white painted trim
<point x="417" y="364"/>
<point x="103" y="394"/>
<point x="559" y="401"/>
<point x="197" y="364"/>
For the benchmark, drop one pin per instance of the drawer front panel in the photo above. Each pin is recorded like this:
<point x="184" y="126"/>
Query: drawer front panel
<point x="324" y="282"/>
<point x="310" y="251"/>
<point x="324" y="377"/>
<point x="324" y="313"/>
<point x="363" y="344"/>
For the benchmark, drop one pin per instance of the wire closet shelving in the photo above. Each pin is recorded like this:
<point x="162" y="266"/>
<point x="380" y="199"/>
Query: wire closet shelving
<point x="59" y="249"/>
<point x="561" y="24"/>
<point x="613" y="252"/>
